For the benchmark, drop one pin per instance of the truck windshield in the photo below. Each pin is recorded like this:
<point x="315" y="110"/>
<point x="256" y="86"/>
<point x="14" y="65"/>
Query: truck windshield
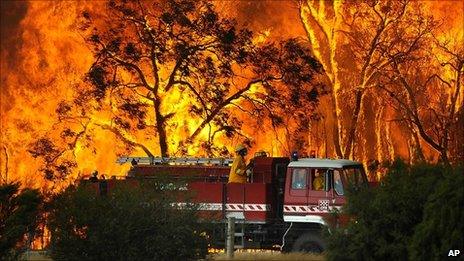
<point x="349" y="176"/>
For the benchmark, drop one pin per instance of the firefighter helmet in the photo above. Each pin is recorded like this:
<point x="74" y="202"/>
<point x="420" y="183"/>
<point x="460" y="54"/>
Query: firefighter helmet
<point x="239" y="147"/>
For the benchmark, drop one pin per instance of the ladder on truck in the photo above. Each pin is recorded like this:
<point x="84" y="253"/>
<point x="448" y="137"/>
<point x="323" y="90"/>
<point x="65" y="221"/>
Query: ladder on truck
<point x="175" y="161"/>
<point x="240" y="235"/>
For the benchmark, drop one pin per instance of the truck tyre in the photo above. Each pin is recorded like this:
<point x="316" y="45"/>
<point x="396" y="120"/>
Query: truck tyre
<point x="309" y="243"/>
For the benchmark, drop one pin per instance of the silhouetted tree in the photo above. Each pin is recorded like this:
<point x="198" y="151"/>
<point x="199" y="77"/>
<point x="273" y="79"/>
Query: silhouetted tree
<point x="425" y="87"/>
<point x="412" y="214"/>
<point x="151" y="57"/>
<point x="169" y="74"/>
<point x="19" y="216"/>
<point x="440" y="229"/>
<point x="130" y="222"/>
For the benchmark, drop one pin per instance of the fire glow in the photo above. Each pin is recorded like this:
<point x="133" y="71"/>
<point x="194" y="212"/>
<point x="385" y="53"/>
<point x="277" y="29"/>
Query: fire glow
<point x="45" y="56"/>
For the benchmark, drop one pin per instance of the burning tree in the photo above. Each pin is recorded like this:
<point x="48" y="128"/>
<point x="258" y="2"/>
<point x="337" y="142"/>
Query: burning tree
<point x="179" y="72"/>
<point x="360" y="44"/>
<point x="424" y="86"/>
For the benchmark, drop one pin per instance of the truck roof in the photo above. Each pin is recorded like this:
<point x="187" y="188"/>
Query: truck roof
<point x="323" y="163"/>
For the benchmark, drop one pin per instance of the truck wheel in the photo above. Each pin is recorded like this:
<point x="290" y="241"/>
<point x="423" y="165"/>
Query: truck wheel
<point x="309" y="243"/>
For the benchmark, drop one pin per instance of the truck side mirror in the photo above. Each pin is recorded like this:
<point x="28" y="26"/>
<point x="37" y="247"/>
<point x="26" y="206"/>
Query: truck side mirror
<point x="328" y="180"/>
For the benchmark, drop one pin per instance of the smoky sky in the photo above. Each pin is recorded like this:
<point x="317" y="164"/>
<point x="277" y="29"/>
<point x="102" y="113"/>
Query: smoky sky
<point x="11" y="14"/>
<point x="281" y="17"/>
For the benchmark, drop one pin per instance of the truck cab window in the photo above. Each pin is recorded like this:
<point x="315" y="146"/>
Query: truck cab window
<point x="299" y="178"/>
<point x="338" y="185"/>
<point x="318" y="179"/>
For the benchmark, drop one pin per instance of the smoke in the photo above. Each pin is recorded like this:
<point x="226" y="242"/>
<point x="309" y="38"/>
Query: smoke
<point x="11" y="14"/>
<point x="449" y="12"/>
<point x="280" y="18"/>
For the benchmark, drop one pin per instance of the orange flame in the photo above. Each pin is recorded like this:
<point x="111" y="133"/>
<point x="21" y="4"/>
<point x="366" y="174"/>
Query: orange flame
<point x="49" y="56"/>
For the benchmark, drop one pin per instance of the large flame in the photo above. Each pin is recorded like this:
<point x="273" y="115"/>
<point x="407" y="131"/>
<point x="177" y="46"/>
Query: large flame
<point x="43" y="55"/>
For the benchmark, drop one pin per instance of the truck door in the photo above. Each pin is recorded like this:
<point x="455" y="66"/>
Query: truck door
<point x="299" y="186"/>
<point x="338" y="189"/>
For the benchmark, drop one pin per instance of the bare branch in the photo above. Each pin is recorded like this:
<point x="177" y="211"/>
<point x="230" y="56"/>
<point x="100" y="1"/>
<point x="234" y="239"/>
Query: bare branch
<point x="219" y="107"/>
<point x="195" y="92"/>
<point x="139" y="72"/>
<point x="126" y="140"/>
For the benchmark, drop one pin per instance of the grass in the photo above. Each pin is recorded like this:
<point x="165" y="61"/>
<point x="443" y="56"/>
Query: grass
<point x="238" y="255"/>
<point x="267" y="255"/>
<point x="35" y="256"/>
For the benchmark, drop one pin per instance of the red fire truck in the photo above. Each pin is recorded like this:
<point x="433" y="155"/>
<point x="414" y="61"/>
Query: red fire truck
<point x="283" y="205"/>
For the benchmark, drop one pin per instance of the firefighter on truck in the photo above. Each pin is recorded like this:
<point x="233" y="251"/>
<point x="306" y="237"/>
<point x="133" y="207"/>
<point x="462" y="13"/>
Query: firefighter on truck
<point x="238" y="170"/>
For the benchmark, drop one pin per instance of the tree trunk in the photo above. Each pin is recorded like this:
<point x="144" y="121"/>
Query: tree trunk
<point x="444" y="157"/>
<point x="380" y="131"/>
<point x="336" y="128"/>
<point x="353" y="123"/>
<point x="161" y="128"/>
<point x="4" y="176"/>
<point x="418" y="152"/>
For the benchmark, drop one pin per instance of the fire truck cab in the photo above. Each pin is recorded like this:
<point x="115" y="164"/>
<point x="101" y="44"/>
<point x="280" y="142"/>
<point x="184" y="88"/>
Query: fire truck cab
<point x="283" y="204"/>
<point x="314" y="188"/>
